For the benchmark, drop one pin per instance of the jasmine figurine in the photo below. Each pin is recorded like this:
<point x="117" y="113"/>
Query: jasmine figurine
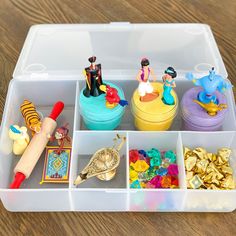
<point x="145" y="87"/>
<point x="93" y="76"/>
<point x="210" y="84"/>
<point x="169" y="83"/>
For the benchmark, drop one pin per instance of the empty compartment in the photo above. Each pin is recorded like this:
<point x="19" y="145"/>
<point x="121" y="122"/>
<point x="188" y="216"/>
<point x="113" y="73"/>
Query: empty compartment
<point x="158" y="199"/>
<point x="94" y="194"/>
<point x="204" y="200"/>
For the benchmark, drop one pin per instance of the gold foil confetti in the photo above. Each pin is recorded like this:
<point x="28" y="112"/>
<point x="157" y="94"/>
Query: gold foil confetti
<point x="224" y="152"/>
<point x="201" y="152"/>
<point x="206" y="170"/>
<point x="228" y="182"/>
<point x="189" y="175"/>
<point x="195" y="182"/>
<point x="214" y="187"/>
<point x="202" y="165"/>
<point x="227" y="170"/>
<point x="186" y="150"/>
<point x="190" y="162"/>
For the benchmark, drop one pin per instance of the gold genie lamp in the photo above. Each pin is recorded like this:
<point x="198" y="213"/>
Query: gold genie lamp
<point x="211" y="107"/>
<point x="103" y="163"/>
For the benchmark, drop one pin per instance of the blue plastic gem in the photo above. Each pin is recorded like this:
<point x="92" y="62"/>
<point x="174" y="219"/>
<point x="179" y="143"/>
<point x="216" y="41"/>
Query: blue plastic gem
<point x="135" y="184"/>
<point x="154" y="153"/>
<point x="142" y="152"/>
<point x="170" y="155"/>
<point x="162" y="171"/>
<point x="155" y="161"/>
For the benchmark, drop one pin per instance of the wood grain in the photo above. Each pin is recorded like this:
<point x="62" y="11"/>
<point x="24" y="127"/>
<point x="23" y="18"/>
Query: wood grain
<point x="16" y="16"/>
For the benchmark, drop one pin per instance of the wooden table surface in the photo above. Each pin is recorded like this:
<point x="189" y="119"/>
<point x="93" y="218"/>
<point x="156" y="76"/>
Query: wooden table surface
<point x="16" y="16"/>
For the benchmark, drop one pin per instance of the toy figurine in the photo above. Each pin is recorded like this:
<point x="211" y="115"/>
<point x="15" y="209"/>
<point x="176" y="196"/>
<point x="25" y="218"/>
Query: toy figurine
<point x="103" y="163"/>
<point x="31" y="116"/>
<point x="169" y="83"/>
<point x="112" y="97"/>
<point x="210" y="84"/>
<point x="20" y="138"/>
<point x="93" y="76"/>
<point x="97" y="97"/>
<point x="145" y="89"/>
<point x="34" y="150"/>
<point x="62" y="137"/>
<point x="151" y="111"/>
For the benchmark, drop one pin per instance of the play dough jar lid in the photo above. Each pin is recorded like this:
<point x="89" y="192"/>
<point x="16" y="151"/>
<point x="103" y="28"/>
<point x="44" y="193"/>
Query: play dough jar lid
<point x="195" y="114"/>
<point x="94" y="108"/>
<point x="156" y="110"/>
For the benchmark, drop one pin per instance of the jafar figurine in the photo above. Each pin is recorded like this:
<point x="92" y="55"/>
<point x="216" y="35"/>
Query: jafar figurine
<point x="93" y="76"/>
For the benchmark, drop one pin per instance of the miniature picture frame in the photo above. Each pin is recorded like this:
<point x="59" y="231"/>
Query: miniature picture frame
<point x="56" y="166"/>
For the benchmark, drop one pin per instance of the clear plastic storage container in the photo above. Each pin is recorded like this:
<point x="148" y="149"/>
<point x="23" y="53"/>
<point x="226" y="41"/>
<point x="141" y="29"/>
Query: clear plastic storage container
<point x="50" y="69"/>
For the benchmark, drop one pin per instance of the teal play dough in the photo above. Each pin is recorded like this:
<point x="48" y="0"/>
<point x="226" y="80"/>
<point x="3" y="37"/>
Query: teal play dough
<point x="96" y="115"/>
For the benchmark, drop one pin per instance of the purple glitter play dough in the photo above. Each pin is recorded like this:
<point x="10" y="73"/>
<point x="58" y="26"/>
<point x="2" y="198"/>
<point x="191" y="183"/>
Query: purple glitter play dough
<point x="195" y="117"/>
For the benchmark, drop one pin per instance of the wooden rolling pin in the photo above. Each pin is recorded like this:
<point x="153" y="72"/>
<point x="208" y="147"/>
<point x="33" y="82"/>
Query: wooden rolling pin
<point x="36" y="147"/>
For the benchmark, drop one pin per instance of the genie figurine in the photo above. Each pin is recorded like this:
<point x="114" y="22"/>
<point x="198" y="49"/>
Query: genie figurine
<point x="210" y="83"/>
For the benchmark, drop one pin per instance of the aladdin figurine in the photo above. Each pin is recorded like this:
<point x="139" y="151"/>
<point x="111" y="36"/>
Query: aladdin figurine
<point x="210" y="84"/>
<point x="145" y="87"/>
<point x="93" y="76"/>
<point x="169" y="83"/>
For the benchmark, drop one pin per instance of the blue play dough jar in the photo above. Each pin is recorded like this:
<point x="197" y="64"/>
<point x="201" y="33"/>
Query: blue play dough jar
<point x="96" y="116"/>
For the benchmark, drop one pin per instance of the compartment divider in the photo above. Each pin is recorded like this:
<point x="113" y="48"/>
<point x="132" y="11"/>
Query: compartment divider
<point x="180" y="153"/>
<point x="77" y="114"/>
<point x="183" y="185"/>
<point x="72" y="162"/>
<point x="127" y="161"/>
<point x="74" y="134"/>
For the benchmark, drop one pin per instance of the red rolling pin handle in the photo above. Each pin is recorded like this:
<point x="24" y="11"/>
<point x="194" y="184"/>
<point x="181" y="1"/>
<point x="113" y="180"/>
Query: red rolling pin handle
<point x="20" y="177"/>
<point x="56" y="110"/>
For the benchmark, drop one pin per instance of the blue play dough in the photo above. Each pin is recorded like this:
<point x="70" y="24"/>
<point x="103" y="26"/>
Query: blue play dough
<point x="96" y="115"/>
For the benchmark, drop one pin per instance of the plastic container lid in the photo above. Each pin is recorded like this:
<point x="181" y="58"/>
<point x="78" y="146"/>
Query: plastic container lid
<point x="119" y="48"/>
<point x="94" y="108"/>
<point x="156" y="110"/>
<point x="195" y="114"/>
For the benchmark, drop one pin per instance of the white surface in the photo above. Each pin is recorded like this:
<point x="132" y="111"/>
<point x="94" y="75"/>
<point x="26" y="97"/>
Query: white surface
<point x="53" y="57"/>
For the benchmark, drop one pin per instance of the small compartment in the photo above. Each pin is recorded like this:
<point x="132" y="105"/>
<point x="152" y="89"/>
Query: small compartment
<point x="94" y="194"/>
<point x="158" y="199"/>
<point x="211" y="200"/>
<point x="84" y="146"/>
<point x="128" y="86"/>
<point x="43" y="94"/>
<point x="32" y="196"/>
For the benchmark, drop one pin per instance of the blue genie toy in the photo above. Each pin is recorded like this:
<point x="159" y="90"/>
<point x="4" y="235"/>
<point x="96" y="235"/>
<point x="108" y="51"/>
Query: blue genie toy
<point x="210" y="83"/>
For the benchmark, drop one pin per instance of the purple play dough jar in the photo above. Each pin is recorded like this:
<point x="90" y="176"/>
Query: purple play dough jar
<point x="194" y="117"/>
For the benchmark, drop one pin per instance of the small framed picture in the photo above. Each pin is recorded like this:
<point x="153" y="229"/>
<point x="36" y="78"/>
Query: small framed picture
<point x="56" y="166"/>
